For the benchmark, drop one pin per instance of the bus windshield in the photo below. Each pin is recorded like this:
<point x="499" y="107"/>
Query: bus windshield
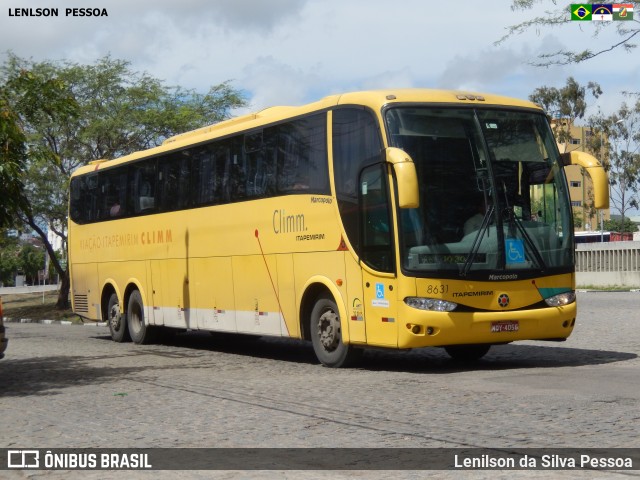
<point x="493" y="196"/>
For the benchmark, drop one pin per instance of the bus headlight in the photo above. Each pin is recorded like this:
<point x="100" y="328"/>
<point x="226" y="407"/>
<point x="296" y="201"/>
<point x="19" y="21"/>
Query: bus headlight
<point x="561" y="299"/>
<point x="432" y="304"/>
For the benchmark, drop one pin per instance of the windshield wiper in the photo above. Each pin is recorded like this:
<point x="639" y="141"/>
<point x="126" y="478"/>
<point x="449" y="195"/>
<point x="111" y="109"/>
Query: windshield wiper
<point x="513" y="220"/>
<point x="477" y="241"/>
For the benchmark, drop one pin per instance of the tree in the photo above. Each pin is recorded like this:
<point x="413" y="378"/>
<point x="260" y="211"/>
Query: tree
<point x="9" y="252"/>
<point x="12" y="163"/>
<point x="118" y="111"/>
<point x="566" y="105"/>
<point x="31" y="262"/>
<point x="625" y="225"/>
<point x="559" y="15"/>
<point x="621" y="140"/>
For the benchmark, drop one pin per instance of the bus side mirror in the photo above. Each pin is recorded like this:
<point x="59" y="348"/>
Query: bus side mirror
<point x="597" y="173"/>
<point x="405" y="170"/>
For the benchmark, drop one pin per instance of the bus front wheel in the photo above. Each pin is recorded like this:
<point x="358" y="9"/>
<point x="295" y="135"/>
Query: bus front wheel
<point x="467" y="353"/>
<point x="117" y="321"/>
<point x="326" y="336"/>
<point x="140" y="332"/>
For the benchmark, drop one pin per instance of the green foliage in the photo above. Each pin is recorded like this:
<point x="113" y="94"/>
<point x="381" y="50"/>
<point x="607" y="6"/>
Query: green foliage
<point x="25" y="99"/>
<point x="577" y="218"/>
<point x="620" y="225"/>
<point x="554" y="15"/>
<point x="31" y="261"/>
<point x="12" y="164"/>
<point x="620" y="140"/>
<point x="567" y="104"/>
<point x="19" y="257"/>
<point x="71" y="114"/>
<point x="9" y="258"/>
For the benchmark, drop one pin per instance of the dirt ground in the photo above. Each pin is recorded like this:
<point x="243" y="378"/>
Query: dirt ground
<point x="35" y="306"/>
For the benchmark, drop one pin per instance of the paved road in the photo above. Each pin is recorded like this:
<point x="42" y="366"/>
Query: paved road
<point x="71" y="386"/>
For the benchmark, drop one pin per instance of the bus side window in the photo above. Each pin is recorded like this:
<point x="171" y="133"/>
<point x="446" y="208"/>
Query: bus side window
<point x="175" y="182"/>
<point x="270" y="160"/>
<point x="356" y="143"/>
<point x="116" y="193"/>
<point x="91" y="207"/>
<point x="82" y="199"/>
<point x="302" y="156"/>
<point x="287" y="163"/>
<point x="142" y="190"/>
<point x="258" y="148"/>
<point x="223" y="177"/>
<point x="112" y="188"/>
<point x="253" y="148"/>
<point x="206" y="175"/>
<point x="375" y="232"/>
<point x="237" y="172"/>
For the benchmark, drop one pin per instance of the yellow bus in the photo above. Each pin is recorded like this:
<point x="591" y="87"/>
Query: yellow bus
<point x="397" y="219"/>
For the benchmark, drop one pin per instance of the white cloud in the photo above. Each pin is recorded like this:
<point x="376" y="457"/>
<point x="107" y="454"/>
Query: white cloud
<point x="275" y="83"/>
<point x="294" y="51"/>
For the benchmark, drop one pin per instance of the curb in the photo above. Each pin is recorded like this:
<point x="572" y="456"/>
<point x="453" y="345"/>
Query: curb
<point x="621" y="290"/>
<point x="53" y="322"/>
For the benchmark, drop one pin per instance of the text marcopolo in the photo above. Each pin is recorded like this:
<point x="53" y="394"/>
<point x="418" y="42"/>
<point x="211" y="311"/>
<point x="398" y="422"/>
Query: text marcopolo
<point x="55" y="12"/>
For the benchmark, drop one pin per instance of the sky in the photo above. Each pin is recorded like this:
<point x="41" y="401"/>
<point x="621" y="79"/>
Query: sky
<point x="291" y="52"/>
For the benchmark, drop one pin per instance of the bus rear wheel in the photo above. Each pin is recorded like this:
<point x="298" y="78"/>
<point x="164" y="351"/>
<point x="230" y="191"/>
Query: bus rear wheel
<point x="326" y="336"/>
<point x="117" y="321"/>
<point x="140" y="332"/>
<point x="467" y="353"/>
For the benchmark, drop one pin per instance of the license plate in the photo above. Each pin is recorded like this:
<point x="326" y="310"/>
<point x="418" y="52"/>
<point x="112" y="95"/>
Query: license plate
<point x="508" y="326"/>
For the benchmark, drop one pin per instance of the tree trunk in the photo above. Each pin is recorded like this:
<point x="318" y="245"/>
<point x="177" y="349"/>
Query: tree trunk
<point x="65" y="285"/>
<point x="63" y="294"/>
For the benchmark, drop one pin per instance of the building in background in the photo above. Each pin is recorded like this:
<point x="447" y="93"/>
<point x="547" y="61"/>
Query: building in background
<point x="586" y="218"/>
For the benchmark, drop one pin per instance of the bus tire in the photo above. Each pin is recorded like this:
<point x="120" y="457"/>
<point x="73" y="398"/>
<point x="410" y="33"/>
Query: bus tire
<point x="467" y="353"/>
<point x="117" y="321"/>
<point x="326" y="336"/>
<point x="140" y="332"/>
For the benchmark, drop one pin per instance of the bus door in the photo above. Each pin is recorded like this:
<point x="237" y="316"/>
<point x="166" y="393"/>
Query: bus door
<point x="377" y="258"/>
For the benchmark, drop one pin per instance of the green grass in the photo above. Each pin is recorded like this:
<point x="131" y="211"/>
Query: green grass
<point x="35" y="306"/>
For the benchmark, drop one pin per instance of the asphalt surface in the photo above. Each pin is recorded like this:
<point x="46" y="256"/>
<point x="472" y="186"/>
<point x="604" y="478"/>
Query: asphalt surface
<point x="70" y="386"/>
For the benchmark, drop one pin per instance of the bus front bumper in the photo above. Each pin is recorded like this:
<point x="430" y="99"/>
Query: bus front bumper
<point x="424" y="329"/>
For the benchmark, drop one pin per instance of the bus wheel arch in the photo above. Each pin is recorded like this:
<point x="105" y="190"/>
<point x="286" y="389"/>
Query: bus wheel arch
<point x="137" y="324"/>
<point x="112" y="314"/>
<point x="322" y="323"/>
<point x="311" y="295"/>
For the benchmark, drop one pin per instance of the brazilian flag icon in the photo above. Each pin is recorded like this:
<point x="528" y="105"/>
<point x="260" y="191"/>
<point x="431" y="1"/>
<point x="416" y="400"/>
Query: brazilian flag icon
<point x="581" y="11"/>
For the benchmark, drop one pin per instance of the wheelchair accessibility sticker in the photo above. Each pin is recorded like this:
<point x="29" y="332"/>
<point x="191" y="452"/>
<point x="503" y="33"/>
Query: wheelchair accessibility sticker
<point x="380" y="301"/>
<point x="514" y="250"/>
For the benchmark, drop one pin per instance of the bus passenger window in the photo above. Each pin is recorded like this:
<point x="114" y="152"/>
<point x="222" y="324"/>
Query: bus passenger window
<point x="142" y="187"/>
<point x="238" y="180"/>
<point x="302" y="156"/>
<point x="175" y="182"/>
<point x="375" y="231"/>
<point x="145" y="198"/>
<point x="356" y="143"/>
<point x="205" y="174"/>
